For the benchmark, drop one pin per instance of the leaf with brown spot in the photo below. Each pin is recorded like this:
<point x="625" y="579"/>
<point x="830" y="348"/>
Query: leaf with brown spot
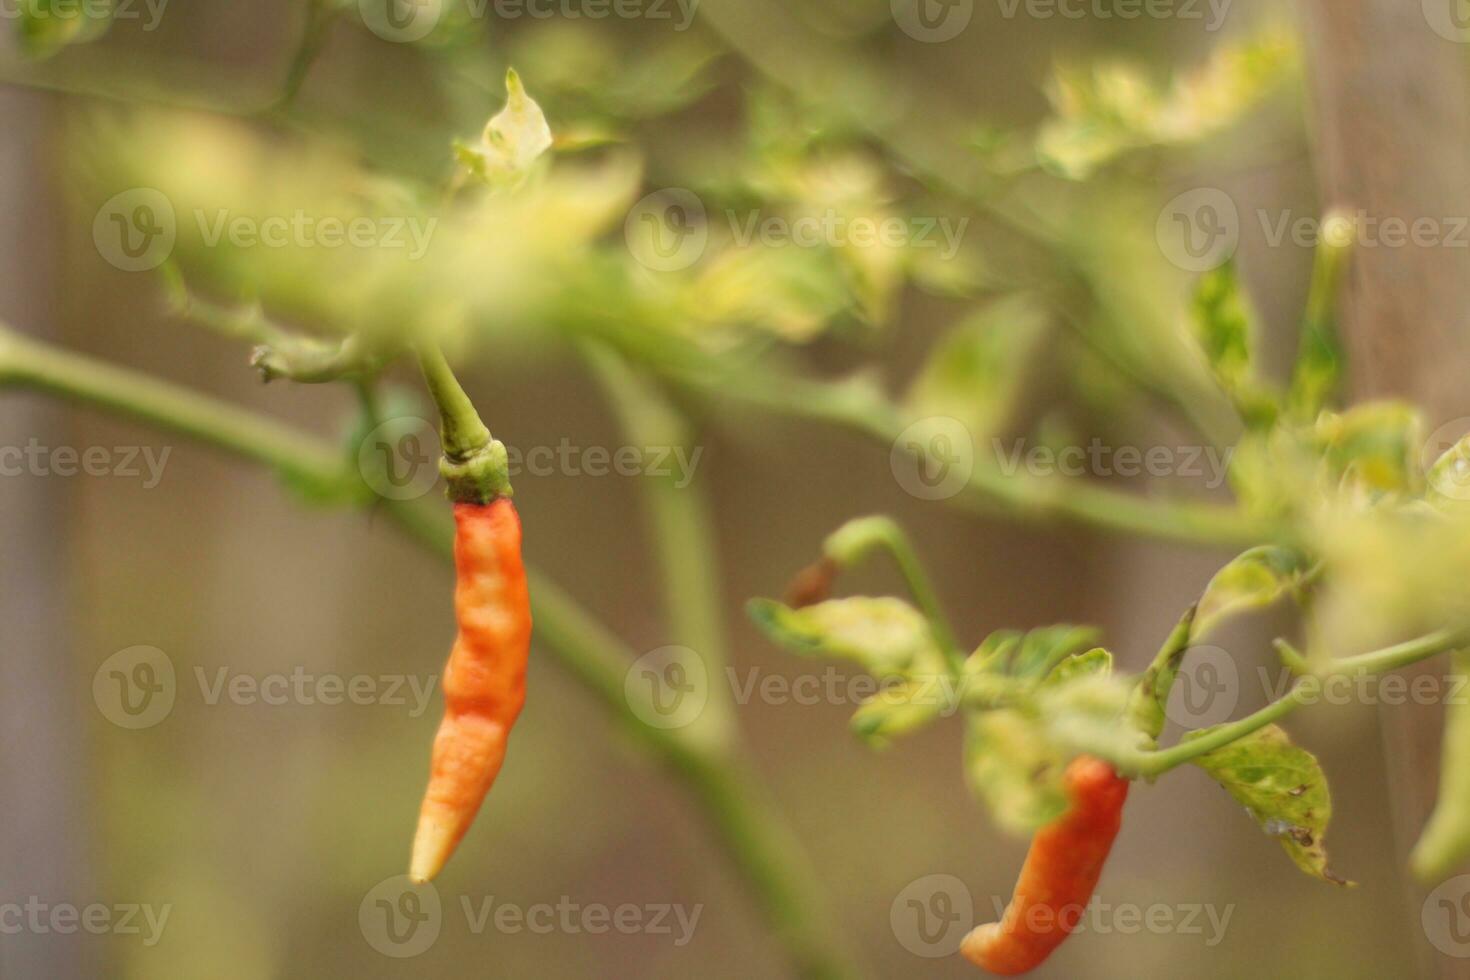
<point x="1283" y="788"/>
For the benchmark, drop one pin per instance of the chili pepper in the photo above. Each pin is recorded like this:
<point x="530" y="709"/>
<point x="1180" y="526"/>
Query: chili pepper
<point x="484" y="681"/>
<point x="1061" y="870"/>
<point x="1445" y="841"/>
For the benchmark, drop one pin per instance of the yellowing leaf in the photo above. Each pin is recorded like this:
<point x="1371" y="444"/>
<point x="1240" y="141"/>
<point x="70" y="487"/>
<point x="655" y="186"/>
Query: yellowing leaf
<point x="1255" y="579"/>
<point x="1226" y="328"/>
<point x="904" y="708"/>
<point x="1013" y="769"/>
<point x="1088" y="715"/>
<point x="1283" y="788"/>
<point x="513" y="139"/>
<point x="1111" y="109"/>
<point x="884" y="634"/>
<point x="1375" y="445"/>
<point x="978" y="370"/>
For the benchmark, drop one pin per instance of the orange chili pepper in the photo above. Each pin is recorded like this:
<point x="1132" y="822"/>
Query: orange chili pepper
<point x="484" y="681"/>
<point x="1061" y="870"/>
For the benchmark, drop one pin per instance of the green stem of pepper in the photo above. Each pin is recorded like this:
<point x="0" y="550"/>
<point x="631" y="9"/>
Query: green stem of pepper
<point x="475" y="464"/>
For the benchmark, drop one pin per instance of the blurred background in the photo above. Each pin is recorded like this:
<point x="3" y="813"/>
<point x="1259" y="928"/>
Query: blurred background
<point x="263" y="829"/>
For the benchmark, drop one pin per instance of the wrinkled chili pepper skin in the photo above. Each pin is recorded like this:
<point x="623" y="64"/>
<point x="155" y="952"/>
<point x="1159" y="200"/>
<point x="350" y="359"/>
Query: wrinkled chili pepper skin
<point x="484" y="682"/>
<point x="1061" y="870"/>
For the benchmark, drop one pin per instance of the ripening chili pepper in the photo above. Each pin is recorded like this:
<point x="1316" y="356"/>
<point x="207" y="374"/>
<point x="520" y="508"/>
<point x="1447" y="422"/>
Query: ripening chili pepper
<point x="1061" y="870"/>
<point x="484" y="682"/>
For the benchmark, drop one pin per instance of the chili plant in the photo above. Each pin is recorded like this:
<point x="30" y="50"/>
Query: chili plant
<point x="547" y="225"/>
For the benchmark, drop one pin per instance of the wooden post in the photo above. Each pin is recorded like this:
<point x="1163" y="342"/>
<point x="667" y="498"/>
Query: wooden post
<point x="47" y="833"/>
<point x="1392" y="116"/>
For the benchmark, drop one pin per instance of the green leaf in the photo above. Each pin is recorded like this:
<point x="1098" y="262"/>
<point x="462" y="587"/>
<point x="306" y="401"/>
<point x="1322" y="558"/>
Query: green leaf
<point x="1012" y="768"/>
<point x="1254" y="580"/>
<point x="1226" y="328"/>
<point x="45" y="27"/>
<point x="1375" y="445"/>
<point x="1096" y="661"/>
<point x="1283" y="788"/>
<point x="904" y="708"/>
<point x="977" y="371"/>
<point x="1033" y="655"/>
<point x="1043" y="649"/>
<point x="886" y="635"/>
<point x="1088" y="714"/>
<point x="1146" y="712"/>
<point x="993" y="653"/>
<point x="1320" y="359"/>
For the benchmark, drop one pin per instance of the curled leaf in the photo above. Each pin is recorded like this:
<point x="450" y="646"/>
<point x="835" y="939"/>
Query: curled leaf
<point x="886" y="635"/>
<point x="1226" y="327"/>
<point x="1095" y="662"/>
<point x="513" y="139"/>
<point x="1033" y="655"/>
<point x="1255" y="579"/>
<point x="1012" y="767"/>
<point x="905" y="708"/>
<point x="1146" y="712"/>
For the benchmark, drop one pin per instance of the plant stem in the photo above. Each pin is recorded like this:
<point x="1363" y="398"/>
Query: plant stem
<point x="461" y="430"/>
<point x="682" y="529"/>
<point x="727" y="787"/>
<point x="475" y="467"/>
<point x="301" y="459"/>
<point x="1305" y="690"/>
<point x="761" y="848"/>
<point x="1030" y="498"/>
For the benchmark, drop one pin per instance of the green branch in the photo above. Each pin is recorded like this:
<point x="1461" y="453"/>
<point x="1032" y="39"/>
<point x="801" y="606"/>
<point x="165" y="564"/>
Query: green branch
<point x="749" y="827"/>
<point x="1029" y="498"/>
<point x="682" y="530"/>
<point x="1303" y="692"/>
<point x="687" y="552"/>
